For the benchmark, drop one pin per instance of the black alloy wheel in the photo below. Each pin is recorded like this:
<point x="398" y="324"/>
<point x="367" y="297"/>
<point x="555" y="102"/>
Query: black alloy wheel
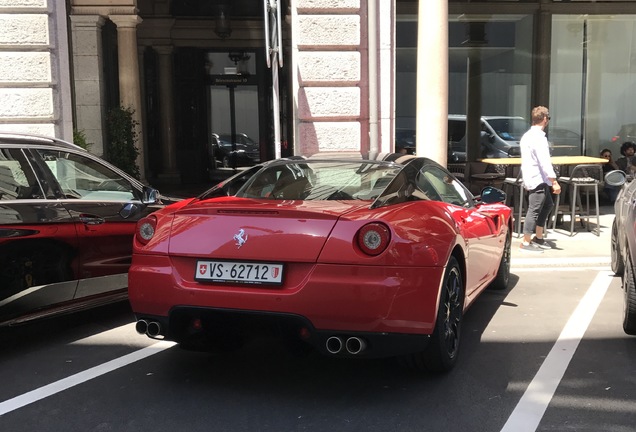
<point x="629" y="287"/>
<point x="617" y="263"/>
<point x="503" y="274"/>
<point x="441" y="353"/>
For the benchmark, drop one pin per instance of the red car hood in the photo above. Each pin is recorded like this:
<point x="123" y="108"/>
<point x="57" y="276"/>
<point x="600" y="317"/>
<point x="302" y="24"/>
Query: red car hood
<point x="244" y="229"/>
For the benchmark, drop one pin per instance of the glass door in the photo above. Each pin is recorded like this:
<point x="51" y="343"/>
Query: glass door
<point x="233" y="109"/>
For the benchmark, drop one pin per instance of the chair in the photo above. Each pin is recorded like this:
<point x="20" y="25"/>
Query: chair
<point x="513" y="186"/>
<point x="584" y="179"/>
<point x="480" y="174"/>
<point x="458" y="169"/>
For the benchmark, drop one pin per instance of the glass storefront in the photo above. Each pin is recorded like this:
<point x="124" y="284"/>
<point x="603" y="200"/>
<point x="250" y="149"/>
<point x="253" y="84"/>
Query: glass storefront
<point x="592" y="80"/>
<point x="500" y="66"/>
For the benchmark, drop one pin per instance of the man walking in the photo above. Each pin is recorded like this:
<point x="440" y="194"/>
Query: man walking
<point x="539" y="179"/>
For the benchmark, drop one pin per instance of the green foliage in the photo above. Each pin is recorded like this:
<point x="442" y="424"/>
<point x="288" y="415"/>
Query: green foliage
<point x="122" y="137"/>
<point x="79" y="138"/>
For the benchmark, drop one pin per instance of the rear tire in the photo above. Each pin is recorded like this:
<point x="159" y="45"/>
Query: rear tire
<point x="618" y="263"/>
<point x="629" y="287"/>
<point x="441" y="353"/>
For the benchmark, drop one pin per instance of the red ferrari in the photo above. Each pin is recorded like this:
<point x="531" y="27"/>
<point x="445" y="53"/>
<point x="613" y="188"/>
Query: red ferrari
<point x="356" y="258"/>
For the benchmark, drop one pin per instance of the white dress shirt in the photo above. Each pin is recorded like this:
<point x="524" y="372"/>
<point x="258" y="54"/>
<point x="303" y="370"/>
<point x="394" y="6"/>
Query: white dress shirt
<point x="536" y="167"/>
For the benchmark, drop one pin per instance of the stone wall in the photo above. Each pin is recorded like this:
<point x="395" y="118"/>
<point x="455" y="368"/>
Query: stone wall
<point x="327" y="39"/>
<point x="35" y="92"/>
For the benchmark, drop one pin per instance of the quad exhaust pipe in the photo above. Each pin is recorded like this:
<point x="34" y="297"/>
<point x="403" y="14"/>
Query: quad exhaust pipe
<point x="149" y="328"/>
<point x="352" y="345"/>
<point x="355" y="345"/>
<point x="141" y="326"/>
<point x="334" y="345"/>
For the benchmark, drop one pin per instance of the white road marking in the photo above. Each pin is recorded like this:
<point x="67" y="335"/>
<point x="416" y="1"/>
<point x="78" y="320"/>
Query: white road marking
<point x="81" y="377"/>
<point x="532" y="405"/>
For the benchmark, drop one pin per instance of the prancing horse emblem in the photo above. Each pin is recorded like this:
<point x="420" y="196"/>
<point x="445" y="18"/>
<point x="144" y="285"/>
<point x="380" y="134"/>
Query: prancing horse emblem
<point x="240" y="238"/>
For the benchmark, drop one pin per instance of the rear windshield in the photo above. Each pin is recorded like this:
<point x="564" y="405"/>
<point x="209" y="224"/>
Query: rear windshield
<point x="320" y="180"/>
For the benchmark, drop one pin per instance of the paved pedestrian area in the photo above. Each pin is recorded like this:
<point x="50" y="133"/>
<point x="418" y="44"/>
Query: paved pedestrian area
<point x="584" y="248"/>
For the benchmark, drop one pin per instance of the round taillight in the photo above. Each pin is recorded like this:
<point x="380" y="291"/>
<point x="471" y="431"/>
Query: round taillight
<point x="146" y="229"/>
<point x="373" y="238"/>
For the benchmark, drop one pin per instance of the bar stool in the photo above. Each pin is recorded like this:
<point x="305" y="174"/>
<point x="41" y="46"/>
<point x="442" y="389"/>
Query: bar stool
<point x="513" y="186"/>
<point x="584" y="179"/>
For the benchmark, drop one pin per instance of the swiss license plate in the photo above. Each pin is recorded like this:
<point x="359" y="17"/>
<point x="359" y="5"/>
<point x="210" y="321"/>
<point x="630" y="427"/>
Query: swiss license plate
<point x="239" y="272"/>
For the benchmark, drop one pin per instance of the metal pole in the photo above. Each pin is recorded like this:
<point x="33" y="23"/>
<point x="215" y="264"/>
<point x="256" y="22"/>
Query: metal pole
<point x="232" y="127"/>
<point x="276" y="108"/>
<point x="372" y="17"/>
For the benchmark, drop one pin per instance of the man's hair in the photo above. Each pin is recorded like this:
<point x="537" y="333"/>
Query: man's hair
<point x="538" y="114"/>
<point x="626" y="145"/>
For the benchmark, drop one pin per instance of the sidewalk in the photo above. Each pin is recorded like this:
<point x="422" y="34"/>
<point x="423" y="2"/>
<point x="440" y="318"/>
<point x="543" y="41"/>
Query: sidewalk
<point x="583" y="249"/>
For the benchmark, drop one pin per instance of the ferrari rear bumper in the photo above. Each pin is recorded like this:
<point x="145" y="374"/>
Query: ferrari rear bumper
<point x="208" y="329"/>
<point x="342" y="298"/>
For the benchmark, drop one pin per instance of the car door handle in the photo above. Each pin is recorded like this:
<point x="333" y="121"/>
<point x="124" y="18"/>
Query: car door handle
<point x="91" y="219"/>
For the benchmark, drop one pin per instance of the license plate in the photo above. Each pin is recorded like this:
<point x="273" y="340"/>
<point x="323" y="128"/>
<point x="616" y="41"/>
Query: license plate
<point x="239" y="272"/>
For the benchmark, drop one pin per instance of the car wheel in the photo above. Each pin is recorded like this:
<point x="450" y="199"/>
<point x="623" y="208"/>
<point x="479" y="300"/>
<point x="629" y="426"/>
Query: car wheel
<point x="618" y="264"/>
<point x="503" y="274"/>
<point x="629" y="287"/>
<point x="441" y="353"/>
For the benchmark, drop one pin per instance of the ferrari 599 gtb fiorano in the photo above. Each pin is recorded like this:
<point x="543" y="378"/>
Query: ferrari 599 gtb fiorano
<point x="356" y="258"/>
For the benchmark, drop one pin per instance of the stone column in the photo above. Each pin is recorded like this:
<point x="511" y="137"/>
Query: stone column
<point x="166" y="99"/>
<point x="129" y="83"/>
<point x="432" y="80"/>
<point x="88" y="78"/>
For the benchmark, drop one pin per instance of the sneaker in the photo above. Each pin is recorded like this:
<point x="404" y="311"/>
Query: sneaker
<point x="541" y="243"/>
<point x="531" y="247"/>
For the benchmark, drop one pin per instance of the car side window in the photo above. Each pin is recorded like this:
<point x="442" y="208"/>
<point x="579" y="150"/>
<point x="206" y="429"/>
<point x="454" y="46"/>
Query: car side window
<point x="448" y="189"/>
<point x="17" y="180"/>
<point x="83" y="178"/>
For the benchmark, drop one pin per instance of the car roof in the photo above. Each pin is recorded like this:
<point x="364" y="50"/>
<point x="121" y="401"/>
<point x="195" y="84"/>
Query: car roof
<point x="32" y="139"/>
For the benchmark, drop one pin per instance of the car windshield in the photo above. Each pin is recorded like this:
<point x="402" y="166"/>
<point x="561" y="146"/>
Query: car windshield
<point x="320" y="180"/>
<point x="509" y="129"/>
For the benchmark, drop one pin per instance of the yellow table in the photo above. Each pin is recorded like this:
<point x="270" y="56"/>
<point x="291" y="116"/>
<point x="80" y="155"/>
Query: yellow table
<point x="556" y="160"/>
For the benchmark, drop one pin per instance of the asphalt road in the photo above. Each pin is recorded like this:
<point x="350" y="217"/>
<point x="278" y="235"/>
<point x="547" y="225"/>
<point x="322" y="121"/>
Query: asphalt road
<point x="548" y="354"/>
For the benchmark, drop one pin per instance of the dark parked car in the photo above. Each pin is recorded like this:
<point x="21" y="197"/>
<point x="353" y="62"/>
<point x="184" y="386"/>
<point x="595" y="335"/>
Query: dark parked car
<point x="67" y="220"/>
<point x="627" y="132"/>
<point x="499" y="136"/>
<point x="563" y="142"/>
<point x="245" y="152"/>
<point x="624" y="251"/>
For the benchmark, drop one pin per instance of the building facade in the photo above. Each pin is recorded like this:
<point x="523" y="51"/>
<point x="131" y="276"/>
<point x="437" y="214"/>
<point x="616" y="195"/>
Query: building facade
<point x="344" y="78"/>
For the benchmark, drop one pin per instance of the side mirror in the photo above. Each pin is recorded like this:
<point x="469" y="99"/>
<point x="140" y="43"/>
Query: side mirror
<point x="149" y="195"/>
<point x="492" y="195"/>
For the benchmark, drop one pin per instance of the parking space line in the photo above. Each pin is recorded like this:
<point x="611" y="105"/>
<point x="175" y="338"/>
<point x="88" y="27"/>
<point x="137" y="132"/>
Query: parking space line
<point x="529" y="411"/>
<point x="81" y="377"/>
